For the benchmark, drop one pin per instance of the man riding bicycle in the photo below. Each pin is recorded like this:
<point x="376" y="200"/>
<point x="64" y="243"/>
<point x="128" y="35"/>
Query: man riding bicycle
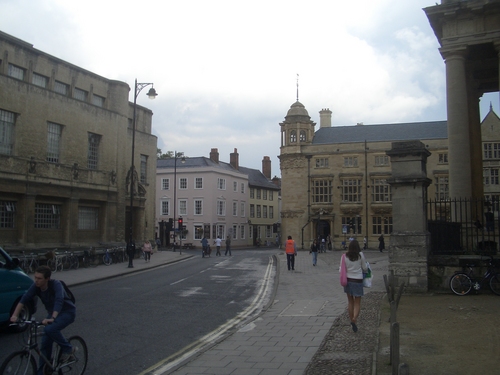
<point x="61" y="312"/>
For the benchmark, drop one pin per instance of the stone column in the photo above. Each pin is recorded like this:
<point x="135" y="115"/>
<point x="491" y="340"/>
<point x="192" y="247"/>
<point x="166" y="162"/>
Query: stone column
<point x="410" y="239"/>
<point x="459" y="154"/>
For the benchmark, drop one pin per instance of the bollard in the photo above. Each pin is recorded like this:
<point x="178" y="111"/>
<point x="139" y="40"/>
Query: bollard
<point x="395" y="348"/>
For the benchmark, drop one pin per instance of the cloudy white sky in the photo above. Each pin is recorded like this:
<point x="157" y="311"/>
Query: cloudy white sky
<point x="225" y="70"/>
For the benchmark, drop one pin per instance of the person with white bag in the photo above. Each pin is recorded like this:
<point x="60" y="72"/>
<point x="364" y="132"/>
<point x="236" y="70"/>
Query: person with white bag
<point x="355" y="265"/>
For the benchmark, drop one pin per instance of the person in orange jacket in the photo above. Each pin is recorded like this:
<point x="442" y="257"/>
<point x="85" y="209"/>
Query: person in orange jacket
<point x="291" y="252"/>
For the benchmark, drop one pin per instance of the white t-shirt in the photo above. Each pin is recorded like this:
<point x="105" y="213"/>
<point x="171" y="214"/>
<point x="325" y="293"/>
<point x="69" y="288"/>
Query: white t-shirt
<point x="355" y="269"/>
<point x="218" y="241"/>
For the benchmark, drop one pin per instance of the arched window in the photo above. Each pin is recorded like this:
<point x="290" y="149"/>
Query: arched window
<point x="302" y="136"/>
<point x="293" y="136"/>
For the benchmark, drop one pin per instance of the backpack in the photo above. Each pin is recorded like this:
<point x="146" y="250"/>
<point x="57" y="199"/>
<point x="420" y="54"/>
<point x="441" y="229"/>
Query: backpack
<point x="69" y="294"/>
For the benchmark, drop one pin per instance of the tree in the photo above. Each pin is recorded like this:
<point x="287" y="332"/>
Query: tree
<point x="168" y="155"/>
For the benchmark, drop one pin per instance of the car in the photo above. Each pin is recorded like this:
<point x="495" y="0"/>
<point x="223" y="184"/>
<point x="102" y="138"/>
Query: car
<point x="13" y="283"/>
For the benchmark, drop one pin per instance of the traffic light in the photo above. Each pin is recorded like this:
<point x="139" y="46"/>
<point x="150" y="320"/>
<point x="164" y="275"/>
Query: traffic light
<point x="180" y="223"/>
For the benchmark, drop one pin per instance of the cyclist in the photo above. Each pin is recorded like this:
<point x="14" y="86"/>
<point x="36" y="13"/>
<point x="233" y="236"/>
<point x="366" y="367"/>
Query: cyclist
<point x="61" y="312"/>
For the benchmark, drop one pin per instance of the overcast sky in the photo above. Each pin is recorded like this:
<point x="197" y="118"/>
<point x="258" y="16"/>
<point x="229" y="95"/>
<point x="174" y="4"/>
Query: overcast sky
<point x="226" y="70"/>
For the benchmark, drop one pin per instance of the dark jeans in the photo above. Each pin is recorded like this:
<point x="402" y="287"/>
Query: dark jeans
<point x="147" y="255"/>
<point x="290" y="261"/>
<point x="52" y="333"/>
<point x="228" y="249"/>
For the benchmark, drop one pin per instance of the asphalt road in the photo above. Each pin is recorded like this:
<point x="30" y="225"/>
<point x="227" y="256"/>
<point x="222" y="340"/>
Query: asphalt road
<point x="134" y="322"/>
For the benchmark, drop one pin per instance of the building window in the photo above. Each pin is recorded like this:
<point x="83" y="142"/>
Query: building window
<point x="271" y="195"/>
<point x="351" y="161"/>
<point x="443" y="158"/>
<point x="494" y="200"/>
<point x="242" y="232"/>
<point x="47" y="216"/>
<point x="88" y="218"/>
<point x="242" y="209"/>
<point x="235" y="186"/>
<point x="7" y="214"/>
<point x="242" y="188"/>
<point x="250" y="231"/>
<point x="53" y="142"/>
<point x="490" y="176"/>
<point x="264" y="212"/>
<point x="264" y="194"/>
<point x="235" y="208"/>
<point x="165" y="184"/>
<point x="322" y="191"/>
<point x="183" y="207"/>
<point x="98" y="100"/>
<point x="39" y="80"/>
<point x="144" y="169"/>
<point x="271" y="212"/>
<point x="258" y="194"/>
<point x="198" y="183"/>
<point x="6" y="132"/>
<point x="381" y="160"/>
<point x="93" y="151"/>
<point x="259" y="211"/>
<point x="252" y="210"/>
<point x="183" y="183"/>
<point x="252" y="193"/>
<point x="302" y="136"/>
<point x="235" y="232"/>
<point x="354" y="224"/>
<point x="80" y="94"/>
<point x="382" y="225"/>
<point x="61" y="88"/>
<point x="221" y="208"/>
<point x="351" y="190"/>
<point x="322" y="163"/>
<point x="491" y="150"/>
<point x="221" y="183"/>
<point x="16" y="72"/>
<point x="198" y="232"/>
<point x="198" y="207"/>
<point x="293" y="136"/>
<point x="165" y="208"/>
<point x="381" y="190"/>
<point x="221" y="231"/>
<point x="441" y="187"/>
<point x="269" y="231"/>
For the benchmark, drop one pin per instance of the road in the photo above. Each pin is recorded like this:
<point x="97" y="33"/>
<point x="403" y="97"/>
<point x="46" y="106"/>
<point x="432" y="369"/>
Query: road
<point x="134" y="322"/>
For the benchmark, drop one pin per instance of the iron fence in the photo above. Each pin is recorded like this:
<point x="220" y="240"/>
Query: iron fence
<point x="463" y="226"/>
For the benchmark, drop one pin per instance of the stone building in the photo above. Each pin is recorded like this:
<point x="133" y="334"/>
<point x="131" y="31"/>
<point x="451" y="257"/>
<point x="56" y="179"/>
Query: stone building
<point x="217" y="199"/>
<point x="65" y="153"/>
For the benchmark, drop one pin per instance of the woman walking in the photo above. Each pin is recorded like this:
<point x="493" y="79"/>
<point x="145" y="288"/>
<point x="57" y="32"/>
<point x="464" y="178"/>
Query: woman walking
<point x="314" y="252"/>
<point x="355" y="263"/>
<point x="147" y="250"/>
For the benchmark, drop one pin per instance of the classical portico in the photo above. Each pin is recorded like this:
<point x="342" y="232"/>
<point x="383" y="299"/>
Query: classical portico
<point x="469" y="35"/>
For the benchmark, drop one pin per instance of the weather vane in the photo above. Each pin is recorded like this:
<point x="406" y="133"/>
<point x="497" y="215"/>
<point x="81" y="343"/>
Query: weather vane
<point x="297" y="86"/>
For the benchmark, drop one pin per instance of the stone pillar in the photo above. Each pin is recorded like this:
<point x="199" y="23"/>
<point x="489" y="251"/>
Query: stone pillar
<point x="459" y="146"/>
<point x="410" y="239"/>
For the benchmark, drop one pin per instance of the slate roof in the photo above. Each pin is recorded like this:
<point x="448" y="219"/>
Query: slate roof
<point x="381" y="133"/>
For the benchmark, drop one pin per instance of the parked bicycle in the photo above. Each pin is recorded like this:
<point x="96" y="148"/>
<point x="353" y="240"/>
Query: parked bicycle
<point x="55" y="261"/>
<point x="23" y="362"/>
<point x="463" y="282"/>
<point x="89" y="258"/>
<point x="70" y="261"/>
<point x="29" y="263"/>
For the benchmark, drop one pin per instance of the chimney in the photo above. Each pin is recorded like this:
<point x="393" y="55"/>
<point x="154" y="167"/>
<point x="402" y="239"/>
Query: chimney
<point x="325" y="118"/>
<point x="266" y="167"/>
<point x="214" y="155"/>
<point x="234" y="159"/>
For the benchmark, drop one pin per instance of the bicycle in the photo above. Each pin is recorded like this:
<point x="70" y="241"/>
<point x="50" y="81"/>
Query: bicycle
<point x="70" y="261"/>
<point x="89" y="258"/>
<point x="23" y="362"/>
<point x="29" y="263"/>
<point x="55" y="261"/>
<point x="107" y="258"/>
<point x="462" y="282"/>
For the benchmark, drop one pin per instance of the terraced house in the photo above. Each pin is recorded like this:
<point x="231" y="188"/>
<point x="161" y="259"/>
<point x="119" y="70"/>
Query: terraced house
<point x="65" y="154"/>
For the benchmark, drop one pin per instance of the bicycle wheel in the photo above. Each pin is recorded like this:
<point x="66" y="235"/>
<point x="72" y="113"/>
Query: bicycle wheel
<point x="461" y="284"/>
<point x="106" y="259"/>
<point x="495" y="284"/>
<point x="51" y="263"/>
<point x="59" y="265"/>
<point x="78" y="366"/>
<point x="75" y="262"/>
<point x="19" y="363"/>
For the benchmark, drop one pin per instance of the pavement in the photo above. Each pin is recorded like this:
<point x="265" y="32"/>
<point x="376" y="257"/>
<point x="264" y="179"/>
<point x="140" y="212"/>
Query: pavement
<point x="304" y="328"/>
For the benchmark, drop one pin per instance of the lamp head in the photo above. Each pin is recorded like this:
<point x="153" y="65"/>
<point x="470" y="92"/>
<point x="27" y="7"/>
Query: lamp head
<point x="152" y="93"/>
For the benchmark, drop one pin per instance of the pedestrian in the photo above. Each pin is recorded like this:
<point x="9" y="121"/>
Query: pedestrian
<point x="147" y="249"/>
<point x="381" y="243"/>
<point x="323" y="245"/>
<point x="204" y="247"/>
<point x="329" y="242"/>
<point x="217" y="243"/>
<point x="291" y="252"/>
<point x="314" y="252"/>
<point x="490" y="220"/>
<point x="228" y="246"/>
<point x="355" y="263"/>
<point x="158" y="243"/>
<point x="365" y="243"/>
<point x="61" y="312"/>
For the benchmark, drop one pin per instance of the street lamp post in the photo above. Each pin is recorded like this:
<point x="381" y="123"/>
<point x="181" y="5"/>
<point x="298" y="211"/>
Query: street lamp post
<point x="183" y="159"/>
<point x="131" y="244"/>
